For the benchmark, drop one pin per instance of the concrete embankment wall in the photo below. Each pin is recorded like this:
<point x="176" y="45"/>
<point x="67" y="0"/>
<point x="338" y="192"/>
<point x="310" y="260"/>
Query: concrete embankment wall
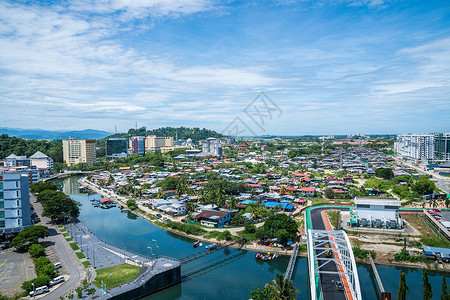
<point x="156" y="283"/>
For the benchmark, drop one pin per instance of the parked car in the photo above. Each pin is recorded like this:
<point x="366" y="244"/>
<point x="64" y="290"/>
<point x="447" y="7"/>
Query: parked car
<point x="339" y="285"/>
<point x="39" y="290"/>
<point x="56" y="280"/>
<point x="57" y="265"/>
<point x="159" y="216"/>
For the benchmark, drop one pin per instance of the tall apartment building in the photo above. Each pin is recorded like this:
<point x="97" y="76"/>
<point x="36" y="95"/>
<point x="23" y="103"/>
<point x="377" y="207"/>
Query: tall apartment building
<point x="442" y="147"/>
<point x="434" y="147"/>
<point x="416" y="146"/>
<point x="212" y="146"/>
<point x="79" y="151"/>
<point x="154" y="143"/>
<point x="116" y="147"/>
<point x="137" y="145"/>
<point x="15" y="212"/>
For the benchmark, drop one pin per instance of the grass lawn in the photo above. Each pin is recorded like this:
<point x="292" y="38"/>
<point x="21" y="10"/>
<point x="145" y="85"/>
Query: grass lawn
<point x="69" y="239"/>
<point x="86" y="264"/>
<point x="63" y="230"/>
<point x="121" y="274"/>
<point x="65" y="234"/>
<point x="60" y="226"/>
<point x="319" y="201"/>
<point x="80" y="255"/>
<point x="74" y="246"/>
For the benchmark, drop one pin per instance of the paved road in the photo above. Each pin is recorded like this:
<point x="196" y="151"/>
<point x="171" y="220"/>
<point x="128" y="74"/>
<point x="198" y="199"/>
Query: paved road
<point x="71" y="264"/>
<point x="326" y="280"/>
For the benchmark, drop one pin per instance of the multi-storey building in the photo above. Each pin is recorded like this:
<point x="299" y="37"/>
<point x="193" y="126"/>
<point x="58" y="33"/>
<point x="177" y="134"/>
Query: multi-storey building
<point x="137" y="145"/>
<point x="154" y="143"/>
<point x="116" y="147"/>
<point x="442" y="147"/>
<point x="41" y="161"/>
<point x="17" y="161"/>
<point x="79" y="151"/>
<point x="212" y="146"/>
<point x="416" y="146"/>
<point x="15" y="213"/>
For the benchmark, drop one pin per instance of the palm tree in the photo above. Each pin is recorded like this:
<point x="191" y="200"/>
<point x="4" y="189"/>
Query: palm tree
<point x="281" y="288"/>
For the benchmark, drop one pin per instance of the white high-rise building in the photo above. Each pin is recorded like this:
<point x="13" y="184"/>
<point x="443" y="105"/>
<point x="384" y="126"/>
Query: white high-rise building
<point x="79" y="151"/>
<point x="416" y="146"/>
<point x="15" y="213"/>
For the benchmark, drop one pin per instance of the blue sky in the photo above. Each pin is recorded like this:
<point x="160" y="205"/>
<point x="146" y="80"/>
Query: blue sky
<point x="327" y="66"/>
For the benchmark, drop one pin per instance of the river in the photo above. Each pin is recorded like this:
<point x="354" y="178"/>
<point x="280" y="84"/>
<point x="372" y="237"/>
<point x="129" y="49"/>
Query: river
<point x="226" y="274"/>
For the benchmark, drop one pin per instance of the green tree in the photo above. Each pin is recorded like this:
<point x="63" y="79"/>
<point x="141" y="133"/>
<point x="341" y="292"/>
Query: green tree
<point x="29" y="236"/>
<point x="403" y="288"/>
<point x="444" y="294"/>
<point x="36" y="250"/>
<point x="329" y="193"/>
<point x="282" y="288"/>
<point x="131" y="203"/>
<point x="60" y="206"/>
<point x="41" y="280"/>
<point x="427" y="293"/>
<point x="261" y="294"/>
<point x="424" y="186"/>
<point x="385" y="173"/>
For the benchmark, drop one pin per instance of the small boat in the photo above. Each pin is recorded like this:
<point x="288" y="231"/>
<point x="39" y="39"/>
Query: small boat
<point x="201" y="244"/>
<point x="196" y="244"/>
<point x="274" y="256"/>
<point x="267" y="256"/>
<point x="258" y="255"/>
<point x="211" y="247"/>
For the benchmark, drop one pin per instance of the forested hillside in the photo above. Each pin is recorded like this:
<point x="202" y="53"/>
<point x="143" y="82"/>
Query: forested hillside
<point x="183" y="133"/>
<point x="18" y="146"/>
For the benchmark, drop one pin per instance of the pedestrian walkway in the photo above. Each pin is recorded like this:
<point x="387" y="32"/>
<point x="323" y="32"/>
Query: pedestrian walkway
<point x="100" y="254"/>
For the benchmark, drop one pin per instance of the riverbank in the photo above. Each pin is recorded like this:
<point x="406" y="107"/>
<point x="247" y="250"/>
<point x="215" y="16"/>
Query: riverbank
<point x="145" y="212"/>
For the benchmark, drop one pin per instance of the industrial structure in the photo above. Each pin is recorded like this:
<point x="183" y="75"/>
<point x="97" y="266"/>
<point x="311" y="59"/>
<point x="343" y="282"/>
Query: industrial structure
<point x="376" y="212"/>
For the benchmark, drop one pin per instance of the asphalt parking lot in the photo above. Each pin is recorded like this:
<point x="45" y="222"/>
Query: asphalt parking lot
<point x="15" y="268"/>
<point x="445" y="215"/>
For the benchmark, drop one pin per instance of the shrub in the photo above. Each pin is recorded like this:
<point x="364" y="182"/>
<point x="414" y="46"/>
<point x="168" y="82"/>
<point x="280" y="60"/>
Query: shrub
<point x="224" y="235"/>
<point x="74" y="246"/>
<point x="38" y="282"/>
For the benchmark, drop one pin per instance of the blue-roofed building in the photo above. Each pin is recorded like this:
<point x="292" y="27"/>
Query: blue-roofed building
<point x="437" y="253"/>
<point x="247" y="202"/>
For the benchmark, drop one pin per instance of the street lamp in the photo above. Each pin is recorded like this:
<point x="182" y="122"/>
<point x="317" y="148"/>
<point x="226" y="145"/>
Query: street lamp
<point x="34" y="291"/>
<point x="110" y="281"/>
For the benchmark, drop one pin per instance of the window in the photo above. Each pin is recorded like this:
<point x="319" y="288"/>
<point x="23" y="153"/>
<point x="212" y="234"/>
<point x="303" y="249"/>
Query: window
<point x="17" y="184"/>
<point x="18" y="203"/>
<point x="2" y="204"/>
<point x="17" y="193"/>
<point x="2" y="224"/>
<point x="18" y="222"/>
<point x="390" y="207"/>
<point x="1" y="195"/>
<point x="363" y="206"/>
<point x="18" y="212"/>
<point x="2" y="213"/>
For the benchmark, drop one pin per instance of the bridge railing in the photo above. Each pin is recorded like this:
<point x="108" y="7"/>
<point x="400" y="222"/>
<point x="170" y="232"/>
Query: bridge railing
<point x="318" y="240"/>
<point x="291" y="266"/>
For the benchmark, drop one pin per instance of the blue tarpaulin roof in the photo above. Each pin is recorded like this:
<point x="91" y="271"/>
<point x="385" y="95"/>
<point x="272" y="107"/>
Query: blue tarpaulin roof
<point x="281" y="204"/>
<point x="245" y="202"/>
<point x="444" y="252"/>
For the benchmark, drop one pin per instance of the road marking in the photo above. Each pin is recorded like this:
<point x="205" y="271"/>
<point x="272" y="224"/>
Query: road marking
<point x="4" y="263"/>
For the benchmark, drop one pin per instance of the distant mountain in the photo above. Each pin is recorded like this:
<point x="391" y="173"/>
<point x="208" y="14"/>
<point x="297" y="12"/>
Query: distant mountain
<point x="40" y="134"/>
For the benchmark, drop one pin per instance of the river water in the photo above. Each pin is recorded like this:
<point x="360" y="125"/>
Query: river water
<point x="227" y="274"/>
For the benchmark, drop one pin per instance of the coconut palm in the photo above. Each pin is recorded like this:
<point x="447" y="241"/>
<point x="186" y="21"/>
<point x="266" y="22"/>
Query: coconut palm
<point x="281" y="288"/>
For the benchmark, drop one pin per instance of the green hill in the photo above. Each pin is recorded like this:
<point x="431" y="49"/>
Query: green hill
<point x="183" y="133"/>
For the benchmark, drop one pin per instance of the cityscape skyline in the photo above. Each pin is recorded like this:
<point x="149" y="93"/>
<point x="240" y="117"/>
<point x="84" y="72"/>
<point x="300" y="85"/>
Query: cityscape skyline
<point x="337" y="67"/>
